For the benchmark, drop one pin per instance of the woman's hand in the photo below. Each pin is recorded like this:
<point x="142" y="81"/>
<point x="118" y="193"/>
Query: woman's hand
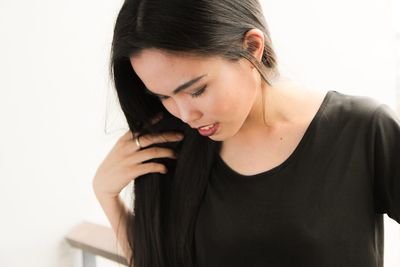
<point x="124" y="162"/>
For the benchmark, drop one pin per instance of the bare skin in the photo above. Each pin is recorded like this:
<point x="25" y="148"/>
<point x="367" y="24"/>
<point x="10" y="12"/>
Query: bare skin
<point x="122" y="165"/>
<point x="124" y="162"/>
<point x="233" y="98"/>
<point x="265" y="147"/>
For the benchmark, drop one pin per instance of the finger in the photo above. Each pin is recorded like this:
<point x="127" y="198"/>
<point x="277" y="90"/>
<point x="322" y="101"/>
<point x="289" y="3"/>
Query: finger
<point x="154" y="120"/>
<point x="129" y="135"/>
<point x="149" y="139"/>
<point x="150" y="167"/>
<point x="153" y="153"/>
<point x="157" y="118"/>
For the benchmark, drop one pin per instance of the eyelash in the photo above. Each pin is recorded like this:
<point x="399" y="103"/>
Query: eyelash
<point x="194" y="95"/>
<point x="199" y="92"/>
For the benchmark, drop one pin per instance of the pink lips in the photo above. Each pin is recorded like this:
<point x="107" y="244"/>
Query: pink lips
<point x="210" y="131"/>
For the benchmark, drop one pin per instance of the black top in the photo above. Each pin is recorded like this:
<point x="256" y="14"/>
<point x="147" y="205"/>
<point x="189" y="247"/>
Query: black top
<point x="321" y="207"/>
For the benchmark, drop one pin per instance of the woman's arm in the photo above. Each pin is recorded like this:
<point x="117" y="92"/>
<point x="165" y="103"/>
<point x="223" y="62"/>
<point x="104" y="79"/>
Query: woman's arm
<point x="117" y="214"/>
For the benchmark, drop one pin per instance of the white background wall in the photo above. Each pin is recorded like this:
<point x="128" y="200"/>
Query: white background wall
<point x="54" y="93"/>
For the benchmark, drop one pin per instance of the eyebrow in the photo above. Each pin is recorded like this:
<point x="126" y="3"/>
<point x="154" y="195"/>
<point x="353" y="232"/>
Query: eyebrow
<point x="180" y="87"/>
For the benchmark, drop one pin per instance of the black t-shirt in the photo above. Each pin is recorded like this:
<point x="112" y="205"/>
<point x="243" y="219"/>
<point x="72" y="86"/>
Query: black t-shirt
<point x="321" y="207"/>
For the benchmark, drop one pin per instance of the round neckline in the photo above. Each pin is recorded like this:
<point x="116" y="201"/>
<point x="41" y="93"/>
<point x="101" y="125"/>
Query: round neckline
<point x="221" y="165"/>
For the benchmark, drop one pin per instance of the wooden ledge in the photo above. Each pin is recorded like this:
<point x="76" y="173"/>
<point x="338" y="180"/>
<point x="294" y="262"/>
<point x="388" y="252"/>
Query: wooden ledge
<point x="96" y="239"/>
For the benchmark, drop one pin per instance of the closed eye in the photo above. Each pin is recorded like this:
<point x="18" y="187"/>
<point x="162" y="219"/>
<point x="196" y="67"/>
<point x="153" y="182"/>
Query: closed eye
<point x="199" y="92"/>
<point x="194" y="95"/>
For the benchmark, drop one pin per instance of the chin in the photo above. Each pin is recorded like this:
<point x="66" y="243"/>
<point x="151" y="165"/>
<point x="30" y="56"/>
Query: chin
<point x="219" y="137"/>
<point x="222" y="135"/>
<point x="215" y="138"/>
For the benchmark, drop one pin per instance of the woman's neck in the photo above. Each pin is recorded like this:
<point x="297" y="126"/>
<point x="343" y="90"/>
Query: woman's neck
<point x="286" y="105"/>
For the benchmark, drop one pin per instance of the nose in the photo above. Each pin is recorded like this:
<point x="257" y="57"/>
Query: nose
<point x="188" y="113"/>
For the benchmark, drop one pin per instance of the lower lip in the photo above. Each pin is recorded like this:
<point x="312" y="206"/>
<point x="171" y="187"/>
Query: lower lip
<point x="210" y="131"/>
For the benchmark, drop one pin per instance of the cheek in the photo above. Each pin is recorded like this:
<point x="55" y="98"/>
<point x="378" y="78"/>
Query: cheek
<point x="237" y="101"/>
<point x="226" y="102"/>
<point x="225" y="106"/>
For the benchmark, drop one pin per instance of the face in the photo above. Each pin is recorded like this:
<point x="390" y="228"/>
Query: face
<point x="223" y="92"/>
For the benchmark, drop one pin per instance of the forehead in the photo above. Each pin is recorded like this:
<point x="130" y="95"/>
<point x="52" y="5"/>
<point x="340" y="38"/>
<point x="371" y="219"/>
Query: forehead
<point x="156" y="58"/>
<point x="161" y="70"/>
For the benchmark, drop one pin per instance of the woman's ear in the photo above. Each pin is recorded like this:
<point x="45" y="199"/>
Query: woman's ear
<point x="253" y="42"/>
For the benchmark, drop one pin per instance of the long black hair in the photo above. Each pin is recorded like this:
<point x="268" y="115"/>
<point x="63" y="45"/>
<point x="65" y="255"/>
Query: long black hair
<point x="161" y="230"/>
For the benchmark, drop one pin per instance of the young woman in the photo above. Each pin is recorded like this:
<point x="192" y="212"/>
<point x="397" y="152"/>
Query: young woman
<point x="267" y="173"/>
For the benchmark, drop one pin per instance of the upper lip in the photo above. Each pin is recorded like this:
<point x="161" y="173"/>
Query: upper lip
<point x="203" y="125"/>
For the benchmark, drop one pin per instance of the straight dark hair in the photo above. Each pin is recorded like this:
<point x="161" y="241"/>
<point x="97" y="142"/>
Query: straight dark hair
<point x="161" y="230"/>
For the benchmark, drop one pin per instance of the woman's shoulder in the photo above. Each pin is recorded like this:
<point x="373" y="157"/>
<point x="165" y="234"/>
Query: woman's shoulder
<point x="332" y="102"/>
<point x="335" y="98"/>
<point x="347" y="102"/>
